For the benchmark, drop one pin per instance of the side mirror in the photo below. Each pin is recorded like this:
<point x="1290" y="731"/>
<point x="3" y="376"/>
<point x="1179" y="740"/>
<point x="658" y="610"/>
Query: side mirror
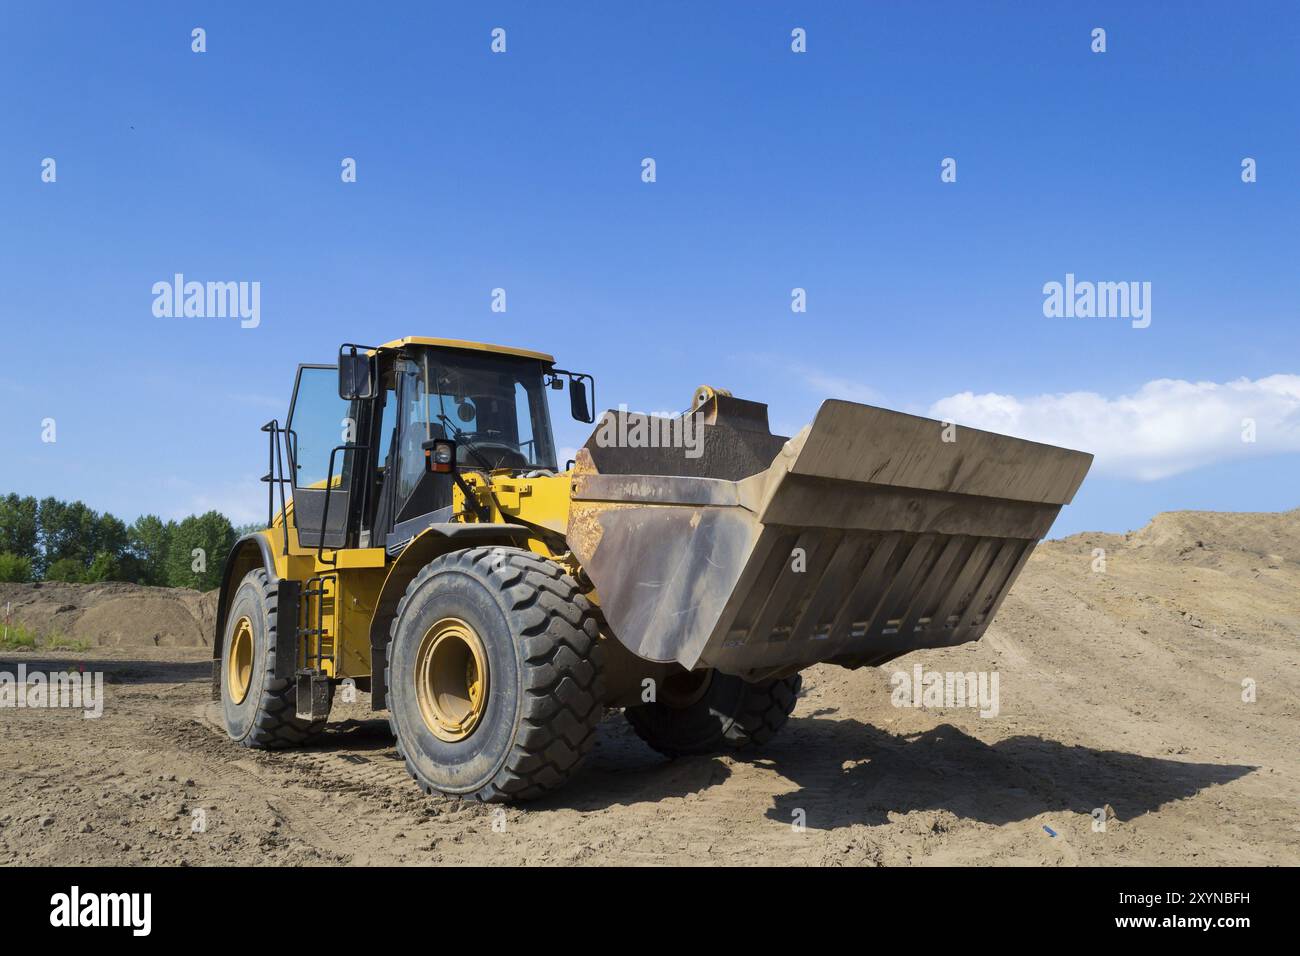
<point x="357" y="374"/>
<point x="578" y="403"/>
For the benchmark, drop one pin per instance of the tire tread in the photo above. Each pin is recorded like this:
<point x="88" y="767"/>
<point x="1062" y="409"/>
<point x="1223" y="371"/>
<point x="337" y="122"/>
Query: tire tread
<point x="277" y="725"/>
<point x="560" y="662"/>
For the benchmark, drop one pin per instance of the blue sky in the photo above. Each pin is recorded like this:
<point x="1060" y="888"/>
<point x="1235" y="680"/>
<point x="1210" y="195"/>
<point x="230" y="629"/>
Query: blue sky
<point x="775" y="170"/>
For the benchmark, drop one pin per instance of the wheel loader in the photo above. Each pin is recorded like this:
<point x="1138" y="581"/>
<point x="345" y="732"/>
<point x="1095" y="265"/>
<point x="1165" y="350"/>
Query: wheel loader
<point x="425" y="545"/>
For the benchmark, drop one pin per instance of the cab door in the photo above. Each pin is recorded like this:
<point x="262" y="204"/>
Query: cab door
<point x="322" y="445"/>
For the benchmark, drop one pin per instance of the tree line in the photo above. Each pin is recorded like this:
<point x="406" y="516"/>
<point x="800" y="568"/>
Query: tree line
<point x="53" y="540"/>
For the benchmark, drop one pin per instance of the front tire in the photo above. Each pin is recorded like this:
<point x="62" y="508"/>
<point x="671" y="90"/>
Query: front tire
<point x="494" y="675"/>
<point x="719" y="713"/>
<point x="260" y="710"/>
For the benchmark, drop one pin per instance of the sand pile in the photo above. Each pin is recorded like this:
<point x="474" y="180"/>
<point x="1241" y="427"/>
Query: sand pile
<point x="112" y="614"/>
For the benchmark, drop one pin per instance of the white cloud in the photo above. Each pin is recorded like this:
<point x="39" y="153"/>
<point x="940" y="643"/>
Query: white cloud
<point x="1166" y="427"/>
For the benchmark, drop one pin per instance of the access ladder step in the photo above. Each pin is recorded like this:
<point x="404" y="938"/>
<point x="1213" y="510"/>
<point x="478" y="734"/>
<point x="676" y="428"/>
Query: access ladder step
<point x="313" y="694"/>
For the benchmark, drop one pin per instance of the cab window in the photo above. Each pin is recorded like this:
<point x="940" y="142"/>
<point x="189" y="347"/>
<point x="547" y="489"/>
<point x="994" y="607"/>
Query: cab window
<point x="318" y="423"/>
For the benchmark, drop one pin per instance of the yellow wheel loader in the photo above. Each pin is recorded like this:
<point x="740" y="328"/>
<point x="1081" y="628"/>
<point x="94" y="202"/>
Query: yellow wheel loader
<point x="425" y="545"/>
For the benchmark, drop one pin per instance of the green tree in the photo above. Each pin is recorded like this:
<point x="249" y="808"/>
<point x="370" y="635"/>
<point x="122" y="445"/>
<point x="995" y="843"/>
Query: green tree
<point x="66" y="531"/>
<point x="198" y="550"/>
<point x="104" y="567"/>
<point x="108" y="536"/>
<point x="73" y="532"/>
<point x="66" y="569"/>
<point x="68" y="541"/>
<point x="18" y="526"/>
<point x="150" y="537"/>
<point x="15" y="568"/>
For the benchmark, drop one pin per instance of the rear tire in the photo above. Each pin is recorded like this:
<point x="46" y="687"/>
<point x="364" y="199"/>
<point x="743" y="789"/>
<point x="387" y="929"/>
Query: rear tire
<point x="728" y="714"/>
<point x="525" y="645"/>
<point x="260" y="710"/>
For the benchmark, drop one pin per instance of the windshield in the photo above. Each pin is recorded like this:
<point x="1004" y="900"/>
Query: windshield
<point x="493" y="406"/>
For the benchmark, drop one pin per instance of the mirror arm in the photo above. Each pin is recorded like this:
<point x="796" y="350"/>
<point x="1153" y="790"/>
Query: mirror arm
<point x="574" y="378"/>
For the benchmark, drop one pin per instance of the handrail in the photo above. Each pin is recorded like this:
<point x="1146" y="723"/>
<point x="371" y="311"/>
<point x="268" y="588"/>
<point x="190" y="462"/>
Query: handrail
<point x="275" y="462"/>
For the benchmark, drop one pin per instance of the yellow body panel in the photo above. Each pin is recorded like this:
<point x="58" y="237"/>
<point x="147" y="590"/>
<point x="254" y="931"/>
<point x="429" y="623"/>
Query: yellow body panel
<point x="543" y="501"/>
<point x="472" y="346"/>
<point x="352" y="587"/>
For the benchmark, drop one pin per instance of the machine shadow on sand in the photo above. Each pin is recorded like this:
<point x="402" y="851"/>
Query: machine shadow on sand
<point x="947" y="769"/>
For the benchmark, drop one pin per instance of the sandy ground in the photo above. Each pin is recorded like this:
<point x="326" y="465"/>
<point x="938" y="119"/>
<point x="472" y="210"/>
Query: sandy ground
<point x="1119" y="689"/>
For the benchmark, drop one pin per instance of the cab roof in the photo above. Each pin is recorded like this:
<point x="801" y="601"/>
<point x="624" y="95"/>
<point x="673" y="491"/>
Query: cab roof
<point x="470" y="346"/>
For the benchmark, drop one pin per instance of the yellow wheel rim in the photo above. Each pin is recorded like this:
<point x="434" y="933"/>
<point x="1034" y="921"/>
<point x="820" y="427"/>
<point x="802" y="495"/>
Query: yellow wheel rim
<point x="451" y="679"/>
<point x="239" y="665"/>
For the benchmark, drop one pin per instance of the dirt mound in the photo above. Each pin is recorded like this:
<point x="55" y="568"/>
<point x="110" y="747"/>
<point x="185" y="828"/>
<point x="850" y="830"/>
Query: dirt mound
<point x="113" y="613"/>
<point x="1272" y="538"/>
<point x="1228" y="541"/>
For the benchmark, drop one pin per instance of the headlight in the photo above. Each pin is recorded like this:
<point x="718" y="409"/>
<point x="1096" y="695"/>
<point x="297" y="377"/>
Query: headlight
<point x="442" y="456"/>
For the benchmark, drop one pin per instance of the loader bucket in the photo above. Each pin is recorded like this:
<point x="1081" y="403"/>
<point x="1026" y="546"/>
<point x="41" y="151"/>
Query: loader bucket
<point x="862" y="538"/>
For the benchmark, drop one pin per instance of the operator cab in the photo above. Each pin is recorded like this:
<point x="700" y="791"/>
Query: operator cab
<point x="359" y="432"/>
